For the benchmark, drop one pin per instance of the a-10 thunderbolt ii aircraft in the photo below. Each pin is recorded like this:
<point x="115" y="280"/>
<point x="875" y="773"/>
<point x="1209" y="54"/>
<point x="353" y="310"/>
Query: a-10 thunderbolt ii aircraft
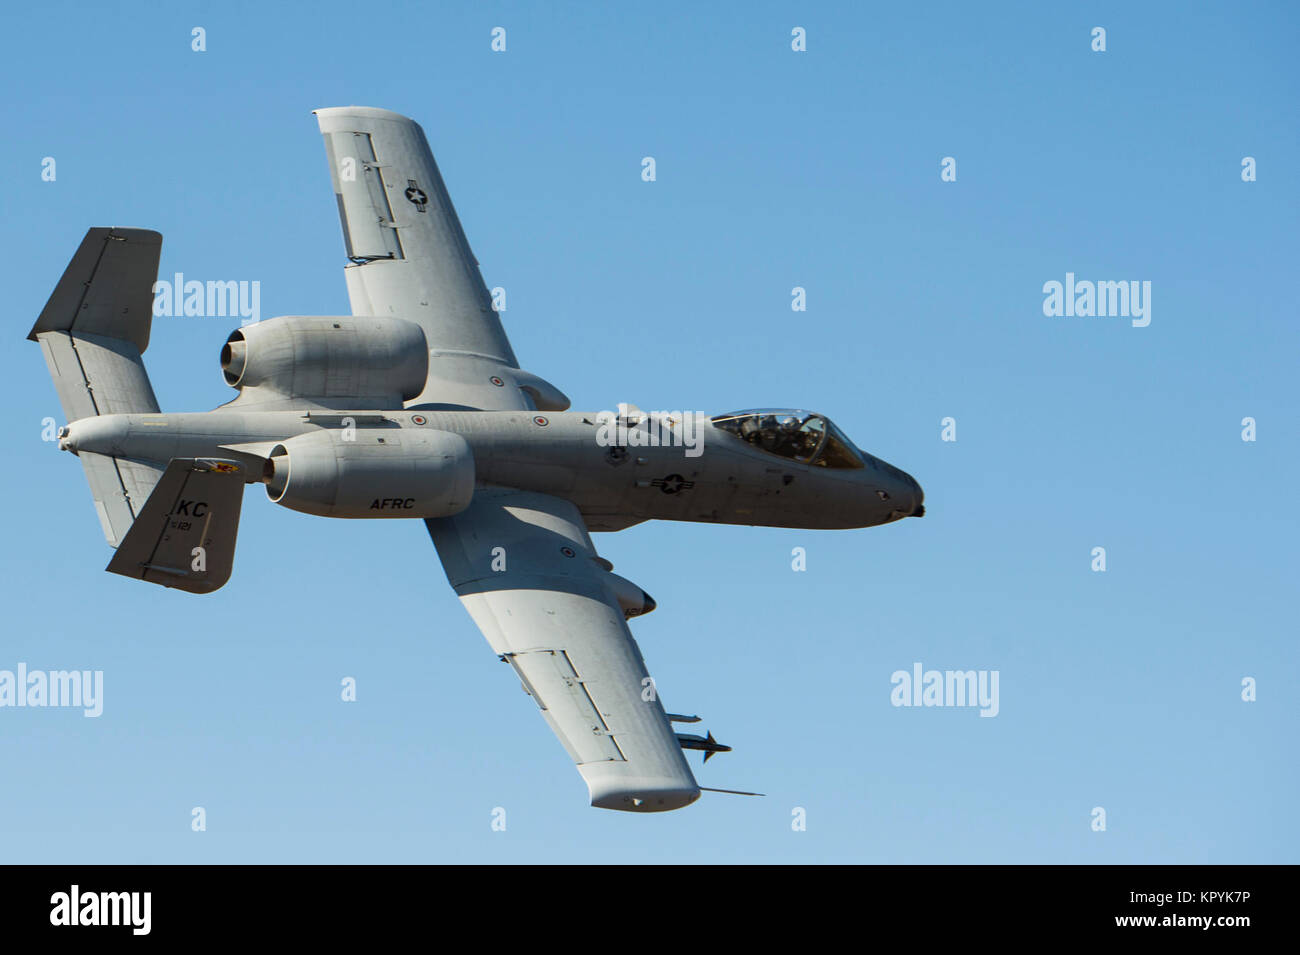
<point x="414" y="406"/>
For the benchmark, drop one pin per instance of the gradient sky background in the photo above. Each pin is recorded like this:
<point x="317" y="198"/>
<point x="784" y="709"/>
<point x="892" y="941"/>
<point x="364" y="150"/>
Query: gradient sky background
<point x="775" y="169"/>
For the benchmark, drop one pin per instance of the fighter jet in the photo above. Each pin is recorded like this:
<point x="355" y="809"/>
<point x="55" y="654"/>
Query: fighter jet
<point x="415" y="407"/>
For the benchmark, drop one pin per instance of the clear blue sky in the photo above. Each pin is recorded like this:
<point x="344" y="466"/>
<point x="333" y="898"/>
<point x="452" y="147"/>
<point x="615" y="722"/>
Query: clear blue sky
<point x="775" y="169"/>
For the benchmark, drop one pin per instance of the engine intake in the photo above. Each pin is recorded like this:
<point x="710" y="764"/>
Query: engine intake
<point x="372" y="473"/>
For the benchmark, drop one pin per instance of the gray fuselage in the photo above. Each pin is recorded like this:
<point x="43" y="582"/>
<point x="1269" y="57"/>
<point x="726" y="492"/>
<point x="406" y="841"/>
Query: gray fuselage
<point x="721" y="480"/>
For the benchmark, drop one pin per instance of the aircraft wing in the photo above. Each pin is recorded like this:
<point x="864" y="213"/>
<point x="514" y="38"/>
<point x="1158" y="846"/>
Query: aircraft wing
<point x="410" y="260"/>
<point x="524" y="567"/>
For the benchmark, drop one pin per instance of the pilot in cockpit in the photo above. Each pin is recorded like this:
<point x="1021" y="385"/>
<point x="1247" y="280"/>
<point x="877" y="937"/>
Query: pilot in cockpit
<point x="775" y="434"/>
<point x="779" y="434"/>
<point x="798" y="435"/>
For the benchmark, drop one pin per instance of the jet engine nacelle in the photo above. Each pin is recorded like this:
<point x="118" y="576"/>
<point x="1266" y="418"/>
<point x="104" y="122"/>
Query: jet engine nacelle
<point x="333" y="362"/>
<point x="372" y="473"/>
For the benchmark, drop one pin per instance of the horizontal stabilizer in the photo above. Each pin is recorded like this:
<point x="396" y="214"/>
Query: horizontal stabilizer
<point x="119" y="488"/>
<point x="185" y="535"/>
<point x="92" y="332"/>
<point x="94" y="375"/>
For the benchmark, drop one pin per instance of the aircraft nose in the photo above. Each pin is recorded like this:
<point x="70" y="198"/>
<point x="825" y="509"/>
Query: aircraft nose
<point x="918" y="496"/>
<point x="900" y="489"/>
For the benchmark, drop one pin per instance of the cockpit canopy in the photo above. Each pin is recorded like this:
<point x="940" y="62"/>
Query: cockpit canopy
<point x="806" y="437"/>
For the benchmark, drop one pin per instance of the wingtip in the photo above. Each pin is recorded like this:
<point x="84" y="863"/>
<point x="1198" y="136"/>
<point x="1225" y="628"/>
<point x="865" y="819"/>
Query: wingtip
<point x="329" y="115"/>
<point x="625" y="795"/>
